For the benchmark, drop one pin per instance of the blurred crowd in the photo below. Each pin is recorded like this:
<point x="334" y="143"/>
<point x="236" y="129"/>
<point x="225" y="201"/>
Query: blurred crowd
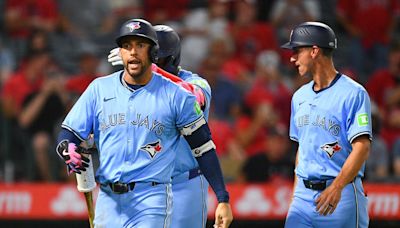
<point x="50" y="50"/>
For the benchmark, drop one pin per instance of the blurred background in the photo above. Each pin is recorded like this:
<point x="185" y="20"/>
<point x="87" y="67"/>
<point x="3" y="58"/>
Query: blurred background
<point x="50" y="50"/>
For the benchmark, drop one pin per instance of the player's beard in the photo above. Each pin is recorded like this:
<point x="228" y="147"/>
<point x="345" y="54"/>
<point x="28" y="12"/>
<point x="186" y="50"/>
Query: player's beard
<point x="137" y="70"/>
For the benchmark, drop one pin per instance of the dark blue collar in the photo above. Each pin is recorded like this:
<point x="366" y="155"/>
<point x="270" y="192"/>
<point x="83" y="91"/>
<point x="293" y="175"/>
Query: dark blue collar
<point x="338" y="75"/>
<point x="129" y="86"/>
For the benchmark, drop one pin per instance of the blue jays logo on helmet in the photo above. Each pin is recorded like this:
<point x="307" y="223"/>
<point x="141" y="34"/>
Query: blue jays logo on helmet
<point x="133" y="25"/>
<point x="331" y="148"/>
<point x="152" y="148"/>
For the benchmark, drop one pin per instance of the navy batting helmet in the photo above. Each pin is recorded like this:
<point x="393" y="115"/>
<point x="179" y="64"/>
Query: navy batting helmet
<point x="142" y="28"/>
<point x="310" y="34"/>
<point x="170" y="48"/>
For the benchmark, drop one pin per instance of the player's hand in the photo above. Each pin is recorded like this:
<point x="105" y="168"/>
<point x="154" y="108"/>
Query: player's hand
<point x="328" y="200"/>
<point x="223" y="215"/>
<point x="73" y="156"/>
<point x="114" y="58"/>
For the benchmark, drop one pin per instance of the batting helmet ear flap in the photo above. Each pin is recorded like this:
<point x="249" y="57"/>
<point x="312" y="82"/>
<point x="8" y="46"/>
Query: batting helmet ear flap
<point x="154" y="53"/>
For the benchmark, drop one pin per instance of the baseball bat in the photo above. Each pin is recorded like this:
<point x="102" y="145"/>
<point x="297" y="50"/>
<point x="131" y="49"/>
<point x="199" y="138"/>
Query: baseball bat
<point x="86" y="183"/>
<point x="89" y="204"/>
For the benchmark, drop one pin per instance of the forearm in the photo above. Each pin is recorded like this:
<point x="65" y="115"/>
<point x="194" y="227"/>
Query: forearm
<point x="247" y="136"/>
<point x="30" y="112"/>
<point x="65" y="134"/>
<point x="211" y="169"/>
<point x="353" y="164"/>
<point x="203" y="150"/>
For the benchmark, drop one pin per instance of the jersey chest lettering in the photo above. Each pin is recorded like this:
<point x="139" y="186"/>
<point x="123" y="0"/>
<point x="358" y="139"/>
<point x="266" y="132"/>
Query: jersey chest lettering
<point x="146" y="122"/>
<point x="140" y="121"/>
<point x="112" y="121"/>
<point x="321" y="122"/>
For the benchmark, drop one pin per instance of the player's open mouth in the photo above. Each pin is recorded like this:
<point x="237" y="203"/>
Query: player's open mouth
<point x="134" y="63"/>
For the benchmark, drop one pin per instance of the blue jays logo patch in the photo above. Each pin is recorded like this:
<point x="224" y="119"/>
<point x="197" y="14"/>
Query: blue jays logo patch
<point x="152" y="148"/>
<point x="331" y="148"/>
<point x="133" y="26"/>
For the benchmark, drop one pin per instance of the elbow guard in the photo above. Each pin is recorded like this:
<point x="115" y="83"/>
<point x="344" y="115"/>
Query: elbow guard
<point x="197" y="152"/>
<point x="198" y="136"/>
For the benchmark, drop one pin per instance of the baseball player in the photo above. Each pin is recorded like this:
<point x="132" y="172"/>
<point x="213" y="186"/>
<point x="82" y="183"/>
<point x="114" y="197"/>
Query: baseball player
<point x="187" y="181"/>
<point x="331" y="122"/>
<point x="137" y="118"/>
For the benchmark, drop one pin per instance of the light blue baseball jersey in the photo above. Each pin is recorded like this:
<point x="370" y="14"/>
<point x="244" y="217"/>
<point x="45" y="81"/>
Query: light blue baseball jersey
<point x="325" y="123"/>
<point x="136" y="132"/>
<point x="185" y="160"/>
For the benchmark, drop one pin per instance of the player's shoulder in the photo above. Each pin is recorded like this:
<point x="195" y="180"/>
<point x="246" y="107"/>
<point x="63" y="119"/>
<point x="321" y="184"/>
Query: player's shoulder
<point x="194" y="79"/>
<point x="349" y="85"/>
<point x="346" y="80"/>
<point x="169" y="86"/>
<point x="107" y="79"/>
<point x="303" y="90"/>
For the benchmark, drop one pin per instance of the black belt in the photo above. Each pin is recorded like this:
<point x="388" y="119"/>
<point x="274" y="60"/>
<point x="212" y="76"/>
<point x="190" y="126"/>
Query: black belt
<point x="194" y="173"/>
<point x="315" y="185"/>
<point x="120" y="188"/>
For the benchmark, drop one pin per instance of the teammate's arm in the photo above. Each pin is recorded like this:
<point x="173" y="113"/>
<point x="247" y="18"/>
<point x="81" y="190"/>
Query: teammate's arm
<point x="332" y="194"/>
<point x="199" y="138"/>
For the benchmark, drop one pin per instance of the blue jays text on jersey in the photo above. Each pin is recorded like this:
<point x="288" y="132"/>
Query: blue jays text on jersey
<point x="140" y="121"/>
<point x="328" y="125"/>
<point x="137" y="131"/>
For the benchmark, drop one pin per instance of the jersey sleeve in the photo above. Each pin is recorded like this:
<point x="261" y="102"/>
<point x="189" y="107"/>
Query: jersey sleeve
<point x="293" y="131"/>
<point x="359" y="116"/>
<point x="189" y="115"/>
<point x="204" y="86"/>
<point x="80" y="118"/>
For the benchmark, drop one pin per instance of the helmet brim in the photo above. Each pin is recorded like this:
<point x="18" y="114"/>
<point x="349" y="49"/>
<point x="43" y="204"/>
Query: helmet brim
<point x="288" y="45"/>
<point x="119" y="39"/>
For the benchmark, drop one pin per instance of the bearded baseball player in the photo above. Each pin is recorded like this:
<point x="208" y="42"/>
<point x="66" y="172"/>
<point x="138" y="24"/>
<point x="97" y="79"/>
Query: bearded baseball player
<point x="190" y="208"/>
<point x="138" y="119"/>
<point x="331" y="122"/>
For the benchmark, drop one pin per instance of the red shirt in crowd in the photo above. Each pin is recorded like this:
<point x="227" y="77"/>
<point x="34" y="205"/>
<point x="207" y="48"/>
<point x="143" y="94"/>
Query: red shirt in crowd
<point x="280" y="98"/>
<point x="380" y="86"/>
<point x="372" y="17"/>
<point x="251" y="40"/>
<point x="155" y="8"/>
<point x="78" y="84"/>
<point x="30" y="11"/>
<point x="221" y="132"/>
<point x="257" y="145"/>
<point x="18" y="87"/>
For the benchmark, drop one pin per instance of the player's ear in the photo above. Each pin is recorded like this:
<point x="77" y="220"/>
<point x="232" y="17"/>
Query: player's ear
<point x="315" y="51"/>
